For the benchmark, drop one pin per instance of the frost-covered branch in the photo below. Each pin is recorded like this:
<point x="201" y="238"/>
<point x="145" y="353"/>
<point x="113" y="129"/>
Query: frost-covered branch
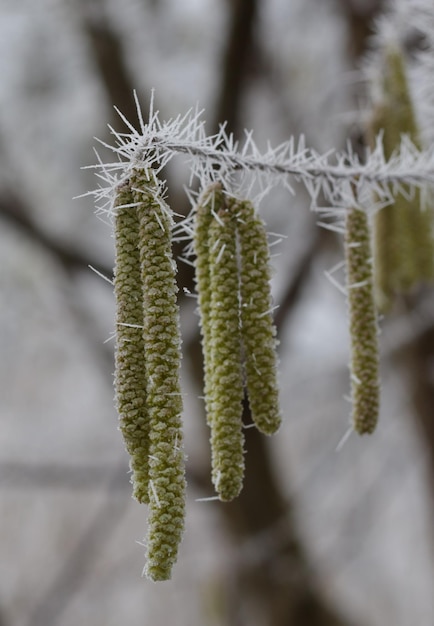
<point x="339" y="177"/>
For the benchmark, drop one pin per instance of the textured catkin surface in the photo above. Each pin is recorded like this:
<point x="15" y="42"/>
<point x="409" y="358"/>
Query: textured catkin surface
<point x="363" y="323"/>
<point x="163" y="355"/>
<point x="211" y="200"/>
<point x="258" y="330"/>
<point x="130" y="368"/>
<point x="226" y="387"/>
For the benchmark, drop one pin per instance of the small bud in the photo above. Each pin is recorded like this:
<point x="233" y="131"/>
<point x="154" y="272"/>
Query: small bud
<point x="226" y="385"/>
<point x="257" y="327"/>
<point x="163" y="356"/>
<point x="364" y="366"/>
<point x="130" y="368"/>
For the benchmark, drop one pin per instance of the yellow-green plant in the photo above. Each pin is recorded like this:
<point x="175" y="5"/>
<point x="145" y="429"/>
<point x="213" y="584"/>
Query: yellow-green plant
<point x="257" y="327"/>
<point x="365" y="386"/>
<point x="163" y="355"/>
<point x="238" y="335"/>
<point x="210" y="203"/>
<point x="404" y="248"/>
<point x="233" y="283"/>
<point x="130" y="374"/>
<point x="225" y="390"/>
<point x="146" y="283"/>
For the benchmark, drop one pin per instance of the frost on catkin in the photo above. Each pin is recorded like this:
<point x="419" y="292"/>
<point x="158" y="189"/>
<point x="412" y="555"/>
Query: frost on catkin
<point x="130" y="367"/>
<point x="257" y="327"/>
<point x="163" y="355"/>
<point x="211" y="201"/>
<point x="226" y="385"/>
<point x="364" y="366"/>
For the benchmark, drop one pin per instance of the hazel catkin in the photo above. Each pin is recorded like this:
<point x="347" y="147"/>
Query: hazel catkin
<point x="163" y="356"/>
<point x="257" y="328"/>
<point x="130" y="366"/>
<point x="211" y="201"/>
<point x="364" y="364"/>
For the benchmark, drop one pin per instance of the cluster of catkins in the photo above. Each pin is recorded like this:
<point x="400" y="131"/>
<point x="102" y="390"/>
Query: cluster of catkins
<point x="232" y="273"/>
<point x="238" y="335"/>
<point x="239" y="346"/>
<point x="148" y="355"/>
<point x="403" y="250"/>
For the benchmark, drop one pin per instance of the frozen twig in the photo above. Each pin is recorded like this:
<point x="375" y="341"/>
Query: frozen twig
<point x="340" y="177"/>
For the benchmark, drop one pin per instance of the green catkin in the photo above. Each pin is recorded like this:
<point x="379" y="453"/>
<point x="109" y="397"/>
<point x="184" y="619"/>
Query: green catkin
<point x="211" y="201"/>
<point x="406" y="212"/>
<point x="226" y="386"/>
<point x="364" y="366"/>
<point x="386" y="246"/>
<point x="404" y="247"/>
<point x="163" y="355"/>
<point x="130" y="367"/>
<point x="257" y="327"/>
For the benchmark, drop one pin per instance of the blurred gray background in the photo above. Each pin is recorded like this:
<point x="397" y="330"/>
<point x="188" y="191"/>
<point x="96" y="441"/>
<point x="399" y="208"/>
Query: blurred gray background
<point x="323" y="535"/>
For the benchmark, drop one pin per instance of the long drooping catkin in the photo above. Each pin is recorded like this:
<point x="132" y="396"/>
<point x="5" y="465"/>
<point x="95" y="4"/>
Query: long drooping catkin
<point x="404" y="247"/>
<point x="211" y="201"/>
<point x="364" y="366"/>
<point x="399" y="118"/>
<point x="257" y="328"/>
<point x="226" y="385"/>
<point x="130" y="372"/>
<point x="163" y="355"/>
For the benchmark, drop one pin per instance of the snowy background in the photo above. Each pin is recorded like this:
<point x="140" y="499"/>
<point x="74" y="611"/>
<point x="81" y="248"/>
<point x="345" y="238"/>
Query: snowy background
<point x="69" y="530"/>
